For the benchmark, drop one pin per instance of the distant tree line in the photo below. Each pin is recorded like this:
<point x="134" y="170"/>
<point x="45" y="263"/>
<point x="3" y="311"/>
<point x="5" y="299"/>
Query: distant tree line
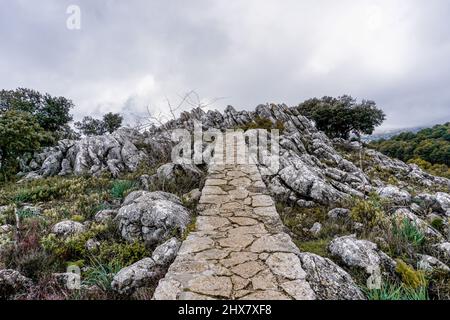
<point x="429" y="148"/>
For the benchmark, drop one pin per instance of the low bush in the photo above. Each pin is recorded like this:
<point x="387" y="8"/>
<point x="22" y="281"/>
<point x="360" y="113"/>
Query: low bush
<point x="263" y="123"/>
<point x="410" y="277"/>
<point x="368" y="212"/>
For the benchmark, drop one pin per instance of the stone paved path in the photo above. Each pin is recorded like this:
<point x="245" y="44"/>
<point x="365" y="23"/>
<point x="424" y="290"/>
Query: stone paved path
<point x="239" y="249"/>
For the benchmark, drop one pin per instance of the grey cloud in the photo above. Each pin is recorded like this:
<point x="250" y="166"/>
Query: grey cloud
<point x="130" y="54"/>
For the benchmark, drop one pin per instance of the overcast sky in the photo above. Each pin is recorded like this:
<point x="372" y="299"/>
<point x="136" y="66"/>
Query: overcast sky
<point x="129" y="54"/>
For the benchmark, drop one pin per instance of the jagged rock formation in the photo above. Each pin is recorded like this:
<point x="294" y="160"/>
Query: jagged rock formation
<point x="311" y="169"/>
<point x="118" y="152"/>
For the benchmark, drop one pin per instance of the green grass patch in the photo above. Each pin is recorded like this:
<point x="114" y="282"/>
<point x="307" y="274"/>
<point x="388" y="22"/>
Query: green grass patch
<point x="394" y="291"/>
<point x="318" y="247"/>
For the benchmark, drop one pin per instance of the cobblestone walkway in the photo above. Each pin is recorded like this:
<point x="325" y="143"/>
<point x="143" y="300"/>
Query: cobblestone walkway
<point x="239" y="249"/>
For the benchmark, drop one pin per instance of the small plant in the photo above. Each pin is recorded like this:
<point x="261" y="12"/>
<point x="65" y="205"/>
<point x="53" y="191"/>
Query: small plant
<point x="121" y="187"/>
<point x="394" y="291"/>
<point x="410" y="277"/>
<point x="25" y="213"/>
<point x="101" y="274"/>
<point x="190" y="228"/>
<point x="437" y="223"/>
<point x="368" y="212"/>
<point x="410" y="232"/>
<point x="77" y="218"/>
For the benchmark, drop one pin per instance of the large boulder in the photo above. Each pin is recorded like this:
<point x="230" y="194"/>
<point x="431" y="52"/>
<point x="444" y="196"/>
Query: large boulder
<point x="173" y="171"/>
<point x="328" y="280"/>
<point x="394" y="194"/>
<point x="67" y="228"/>
<point x="12" y="283"/>
<point x="363" y="254"/>
<point x="139" y="274"/>
<point x="151" y="216"/>
<point x="143" y="272"/>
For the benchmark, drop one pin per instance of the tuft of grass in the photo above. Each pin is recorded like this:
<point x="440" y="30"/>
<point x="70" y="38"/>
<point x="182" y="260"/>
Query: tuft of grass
<point x="121" y="187"/>
<point x="410" y="232"/>
<point x="438" y="224"/>
<point x="394" y="291"/>
<point x="25" y="213"/>
<point x="101" y="274"/>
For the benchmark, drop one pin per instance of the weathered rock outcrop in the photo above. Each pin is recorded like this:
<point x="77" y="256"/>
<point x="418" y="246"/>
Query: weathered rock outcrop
<point x="310" y="171"/>
<point x="143" y="272"/>
<point x="172" y="173"/>
<point x="361" y="254"/>
<point x="328" y="280"/>
<point x="12" y="282"/>
<point x="151" y="216"/>
<point x="113" y="153"/>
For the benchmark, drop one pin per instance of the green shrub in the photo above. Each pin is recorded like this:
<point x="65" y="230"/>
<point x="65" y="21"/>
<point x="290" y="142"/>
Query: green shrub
<point x="121" y="187"/>
<point x="410" y="277"/>
<point x="77" y="218"/>
<point x="123" y="254"/>
<point x="368" y="212"/>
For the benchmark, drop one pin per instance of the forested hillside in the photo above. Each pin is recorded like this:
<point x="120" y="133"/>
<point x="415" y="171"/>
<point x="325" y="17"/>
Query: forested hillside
<point x="429" y="148"/>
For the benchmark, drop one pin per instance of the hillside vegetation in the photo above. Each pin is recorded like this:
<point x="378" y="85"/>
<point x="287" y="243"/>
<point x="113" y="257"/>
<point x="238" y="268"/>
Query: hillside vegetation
<point x="429" y="148"/>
